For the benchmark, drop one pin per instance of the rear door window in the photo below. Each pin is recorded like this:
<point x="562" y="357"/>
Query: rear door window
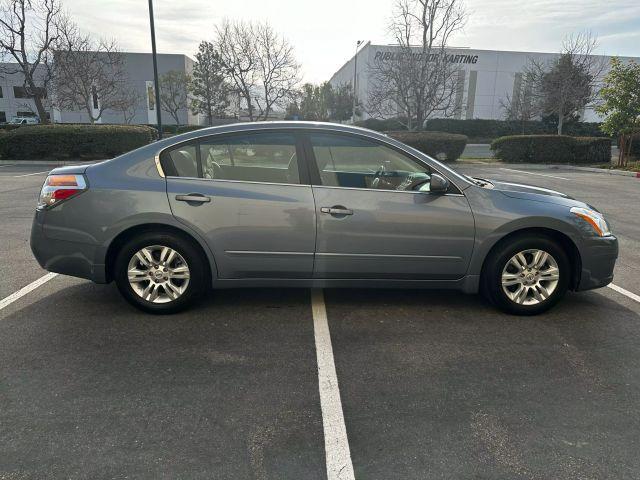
<point x="269" y="157"/>
<point x="266" y="157"/>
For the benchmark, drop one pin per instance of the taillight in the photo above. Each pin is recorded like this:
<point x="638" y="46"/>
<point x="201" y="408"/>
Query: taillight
<point x="57" y="188"/>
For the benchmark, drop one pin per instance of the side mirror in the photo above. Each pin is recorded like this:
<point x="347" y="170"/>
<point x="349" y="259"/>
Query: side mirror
<point x="439" y="184"/>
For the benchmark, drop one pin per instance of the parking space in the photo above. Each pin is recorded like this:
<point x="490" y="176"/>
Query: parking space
<point x="431" y="384"/>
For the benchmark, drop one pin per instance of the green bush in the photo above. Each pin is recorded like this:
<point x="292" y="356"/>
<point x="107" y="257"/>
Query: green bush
<point x="9" y="126"/>
<point x="552" y="149"/>
<point x="443" y="146"/>
<point x="390" y="124"/>
<point x="478" y="128"/>
<point x="590" y="150"/>
<point x="73" y="141"/>
<point x="635" y="146"/>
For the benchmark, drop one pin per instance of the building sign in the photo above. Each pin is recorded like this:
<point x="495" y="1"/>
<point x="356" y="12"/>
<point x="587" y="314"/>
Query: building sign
<point x="151" y="102"/>
<point x="418" y="56"/>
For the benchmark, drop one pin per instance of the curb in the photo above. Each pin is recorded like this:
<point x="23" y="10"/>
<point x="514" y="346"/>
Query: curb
<point x="537" y="166"/>
<point x="55" y="163"/>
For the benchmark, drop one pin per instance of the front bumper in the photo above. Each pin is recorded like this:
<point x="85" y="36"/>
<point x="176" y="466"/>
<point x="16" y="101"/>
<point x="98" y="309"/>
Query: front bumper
<point x="598" y="256"/>
<point x="64" y="257"/>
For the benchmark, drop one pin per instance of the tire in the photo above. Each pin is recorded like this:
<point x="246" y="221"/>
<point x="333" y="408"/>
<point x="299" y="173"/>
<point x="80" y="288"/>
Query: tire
<point x="161" y="287"/>
<point x="533" y="282"/>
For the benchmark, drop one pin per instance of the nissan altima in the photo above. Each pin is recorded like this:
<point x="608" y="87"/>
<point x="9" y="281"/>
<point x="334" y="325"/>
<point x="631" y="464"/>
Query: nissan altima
<point x="296" y="204"/>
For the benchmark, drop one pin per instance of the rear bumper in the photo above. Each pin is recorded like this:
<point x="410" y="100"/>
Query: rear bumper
<point x="598" y="261"/>
<point x="64" y="257"/>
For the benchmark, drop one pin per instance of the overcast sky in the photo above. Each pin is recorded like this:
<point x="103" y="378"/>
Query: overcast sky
<point x="324" y="32"/>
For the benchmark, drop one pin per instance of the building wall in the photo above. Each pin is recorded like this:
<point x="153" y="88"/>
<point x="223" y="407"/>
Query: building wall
<point x="10" y="106"/>
<point x="485" y="78"/>
<point x="139" y="67"/>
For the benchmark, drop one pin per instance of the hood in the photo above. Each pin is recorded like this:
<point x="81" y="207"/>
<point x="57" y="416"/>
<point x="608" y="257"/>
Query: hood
<point x="537" y="194"/>
<point x="516" y="189"/>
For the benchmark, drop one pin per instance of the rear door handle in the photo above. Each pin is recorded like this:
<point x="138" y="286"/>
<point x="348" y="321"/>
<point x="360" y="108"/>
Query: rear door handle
<point x="336" y="211"/>
<point x="193" y="198"/>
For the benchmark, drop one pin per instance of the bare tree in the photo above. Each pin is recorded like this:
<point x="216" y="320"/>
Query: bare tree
<point x="259" y="64"/>
<point x="521" y="106"/>
<point x="128" y="103"/>
<point x="278" y="71"/>
<point x="89" y="75"/>
<point x="418" y="78"/>
<point x="28" y="30"/>
<point x="567" y="85"/>
<point x="173" y="93"/>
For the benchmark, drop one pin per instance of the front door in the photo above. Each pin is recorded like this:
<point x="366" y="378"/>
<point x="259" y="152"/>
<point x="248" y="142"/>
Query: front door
<point x="376" y="217"/>
<point x="244" y="194"/>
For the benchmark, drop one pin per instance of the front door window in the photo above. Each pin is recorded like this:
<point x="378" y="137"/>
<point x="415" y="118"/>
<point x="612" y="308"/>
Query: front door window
<point x="354" y="162"/>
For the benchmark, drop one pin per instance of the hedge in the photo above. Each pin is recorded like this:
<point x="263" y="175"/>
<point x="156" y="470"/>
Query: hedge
<point x="478" y="128"/>
<point x="552" y="149"/>
<point x="11" y="126"/>
<point x="391" y="124"/>
<point x="635" y="146"/>
<point x="443" y="146"/>
<point x="73" y="141"/>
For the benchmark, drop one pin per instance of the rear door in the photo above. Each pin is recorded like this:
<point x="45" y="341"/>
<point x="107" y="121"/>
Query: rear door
<point x="246" y="195"/>
<point x="373" y="223"/>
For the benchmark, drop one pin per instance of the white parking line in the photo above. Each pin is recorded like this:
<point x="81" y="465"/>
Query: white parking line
<point x="532" y="173"/>
<point x="5" y="302"/>
<point x="2" y="166"/>
<point x="30" y="174"/>
<point x="624" y="292"/>
<point x="336" y="444"/>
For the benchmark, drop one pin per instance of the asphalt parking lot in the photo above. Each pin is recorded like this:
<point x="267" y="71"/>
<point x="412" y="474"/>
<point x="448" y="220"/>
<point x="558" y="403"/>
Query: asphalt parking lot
<point x="431" y="384"/>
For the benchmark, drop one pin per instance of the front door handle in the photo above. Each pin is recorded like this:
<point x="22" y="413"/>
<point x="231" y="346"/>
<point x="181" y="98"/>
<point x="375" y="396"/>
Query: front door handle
<point x="193" y="198"/>
<point x="336" y="210"/>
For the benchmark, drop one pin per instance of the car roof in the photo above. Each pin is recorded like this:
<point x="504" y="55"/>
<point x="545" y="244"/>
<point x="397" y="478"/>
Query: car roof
<point x="286" y="124"/>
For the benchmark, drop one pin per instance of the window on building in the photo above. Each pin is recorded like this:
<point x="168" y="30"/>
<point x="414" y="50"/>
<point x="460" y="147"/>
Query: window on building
<point x="94" y="97"/>
<point x="3" y="117"/>
<point x="1" y="94"/>
<point x="21" y="92"/>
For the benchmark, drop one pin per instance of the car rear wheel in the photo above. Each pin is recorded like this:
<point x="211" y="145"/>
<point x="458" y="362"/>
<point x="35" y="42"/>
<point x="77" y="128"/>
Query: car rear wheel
<point x="527" y="276"/>
<point x="160" y="272"/>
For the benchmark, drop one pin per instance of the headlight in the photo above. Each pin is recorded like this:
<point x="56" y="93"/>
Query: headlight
<point x="595" y="220"/>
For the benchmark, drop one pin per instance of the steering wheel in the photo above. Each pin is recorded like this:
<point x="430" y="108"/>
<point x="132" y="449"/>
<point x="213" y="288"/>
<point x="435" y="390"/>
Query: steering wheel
<point x="214" y="170"/>
<point x="376" y="178"/>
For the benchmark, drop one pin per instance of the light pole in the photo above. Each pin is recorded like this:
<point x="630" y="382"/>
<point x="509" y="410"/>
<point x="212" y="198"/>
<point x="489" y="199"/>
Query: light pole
<point x="355" y="81"/>
<point x="155" y="70"/>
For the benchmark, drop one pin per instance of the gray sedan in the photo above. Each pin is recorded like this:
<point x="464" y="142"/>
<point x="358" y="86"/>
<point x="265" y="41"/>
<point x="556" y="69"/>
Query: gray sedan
<point x="295" y="204"/>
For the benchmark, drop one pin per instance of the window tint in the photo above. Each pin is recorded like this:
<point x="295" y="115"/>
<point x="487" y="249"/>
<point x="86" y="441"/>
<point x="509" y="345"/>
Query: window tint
<point x="182" y="161"/>
<point x="349" y="161"/>
<point x="255" y="157"/>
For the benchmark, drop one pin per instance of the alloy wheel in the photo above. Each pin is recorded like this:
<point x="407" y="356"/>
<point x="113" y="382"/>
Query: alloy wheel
<point x="158" y="274"/>
<point x="530" y="277"/>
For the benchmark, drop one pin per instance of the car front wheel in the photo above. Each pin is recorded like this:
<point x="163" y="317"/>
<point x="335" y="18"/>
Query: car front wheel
<point x="527" y="276"/>
<point x="160" y="273"/>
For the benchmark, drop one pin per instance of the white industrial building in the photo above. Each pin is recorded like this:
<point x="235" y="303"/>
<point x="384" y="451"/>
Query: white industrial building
<point x="486" y="78"/>
<point x="139" y="69"/>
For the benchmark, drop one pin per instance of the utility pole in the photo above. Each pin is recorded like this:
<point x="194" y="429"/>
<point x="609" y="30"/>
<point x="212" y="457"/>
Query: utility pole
<point x="355" y="81"/>
<point x="155" y="70"/>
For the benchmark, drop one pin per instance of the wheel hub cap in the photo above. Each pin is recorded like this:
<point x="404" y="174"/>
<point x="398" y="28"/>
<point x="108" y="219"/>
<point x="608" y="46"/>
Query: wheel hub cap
<point x="530" y="277"/>
<point x="158" y="273"/>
